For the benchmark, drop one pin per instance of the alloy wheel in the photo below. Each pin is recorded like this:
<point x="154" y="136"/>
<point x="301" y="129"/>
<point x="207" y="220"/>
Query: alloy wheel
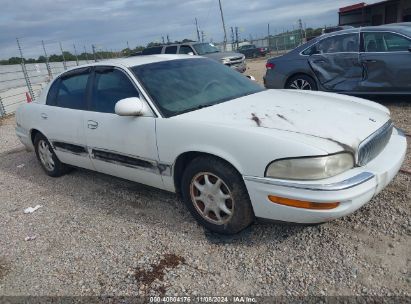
<point x="300" y="84"/>
<point x="212" y="198"/>
<point x="45" y="154"/>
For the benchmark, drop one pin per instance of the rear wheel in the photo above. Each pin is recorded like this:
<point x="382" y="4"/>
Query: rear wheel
<point x="301" y="82"/>
<point x="48" y="159"/>
<point x="216" y="196"/>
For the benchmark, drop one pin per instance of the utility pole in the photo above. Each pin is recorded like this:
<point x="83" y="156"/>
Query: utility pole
<point x="198" y="32"/>
<point x="162" y="38"/>
<point x="85" y="53"/>
<point x="268" y="37"/>
<point x="222" y="19"/>
<point x="75" y="53"/>
<point x="168" y="39"/>
<point x="202" y="36"/>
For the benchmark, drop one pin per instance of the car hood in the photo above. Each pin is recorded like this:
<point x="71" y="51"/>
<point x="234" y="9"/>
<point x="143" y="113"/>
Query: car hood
<point x="341" y="119"/>
<point x="221" y="55"/>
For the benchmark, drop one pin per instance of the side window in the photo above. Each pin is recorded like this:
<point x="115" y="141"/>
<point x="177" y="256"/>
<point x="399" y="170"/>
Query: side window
<point x="385" y="42"/>
<point x="52" y="93"/>
<point x="72" y="91"/>
<point x="152" y="50"/>
<point x="110" y="85"/>
<point x="339" y="44"/>
<point x="310" y="51"/>
<point x="171" y="50"/>
<point x="185" y="49"/>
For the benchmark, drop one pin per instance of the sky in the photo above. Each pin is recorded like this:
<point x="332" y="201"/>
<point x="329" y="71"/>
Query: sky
<point x="109" y="24"/>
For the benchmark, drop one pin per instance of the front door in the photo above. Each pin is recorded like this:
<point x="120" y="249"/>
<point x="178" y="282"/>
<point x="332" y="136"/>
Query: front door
<point x="119" y="145"/>
<point x="387" y="61"/>
<point x="336" y="62"/>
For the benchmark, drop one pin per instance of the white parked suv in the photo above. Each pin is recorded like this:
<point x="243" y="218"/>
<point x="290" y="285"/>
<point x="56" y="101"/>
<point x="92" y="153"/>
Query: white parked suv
<point x="232" y="150"/>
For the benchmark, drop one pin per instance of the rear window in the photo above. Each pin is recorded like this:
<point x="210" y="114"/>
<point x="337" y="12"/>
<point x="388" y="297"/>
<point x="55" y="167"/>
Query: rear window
<point x="71" y="91"/>
<point x="152" y="50"/>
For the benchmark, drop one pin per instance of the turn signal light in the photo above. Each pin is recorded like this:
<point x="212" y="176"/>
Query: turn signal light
<point x="302" y="204"/>
<point x="269" y="66"/>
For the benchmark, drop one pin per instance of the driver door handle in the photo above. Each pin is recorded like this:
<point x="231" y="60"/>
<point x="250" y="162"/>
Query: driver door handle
<point x="91" y="124"/>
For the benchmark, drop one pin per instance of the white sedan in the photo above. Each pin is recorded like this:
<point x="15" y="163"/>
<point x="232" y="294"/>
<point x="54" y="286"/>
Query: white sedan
<point x="232" y="150"/>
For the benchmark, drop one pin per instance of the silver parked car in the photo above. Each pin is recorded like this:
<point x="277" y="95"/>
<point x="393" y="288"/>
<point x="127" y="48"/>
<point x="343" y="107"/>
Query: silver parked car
<point x="234" y="60"/>
<point x="368" y="60"/>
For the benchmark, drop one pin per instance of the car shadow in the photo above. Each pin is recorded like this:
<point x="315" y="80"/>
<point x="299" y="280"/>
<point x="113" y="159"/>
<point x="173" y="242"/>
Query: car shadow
<point x="133" y="202"/>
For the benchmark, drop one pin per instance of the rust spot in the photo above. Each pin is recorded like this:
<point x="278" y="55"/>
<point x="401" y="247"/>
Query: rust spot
<point x="256" y="119"/>
<point x="147" y="277"/>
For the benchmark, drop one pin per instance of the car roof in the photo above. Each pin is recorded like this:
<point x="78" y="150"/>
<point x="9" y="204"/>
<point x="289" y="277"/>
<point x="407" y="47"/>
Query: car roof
<point x="138" y="60"/>
<point x="404" y="27"/>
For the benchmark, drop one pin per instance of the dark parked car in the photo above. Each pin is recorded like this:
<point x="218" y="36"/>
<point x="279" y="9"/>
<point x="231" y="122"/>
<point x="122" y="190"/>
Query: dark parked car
<point x="369" y="60"/>
<point x="251" y="51"/>
<point x="231" y="59"/>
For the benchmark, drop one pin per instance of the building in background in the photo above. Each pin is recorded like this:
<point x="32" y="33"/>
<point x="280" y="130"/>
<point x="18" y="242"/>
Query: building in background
<point x="384" y="12"/>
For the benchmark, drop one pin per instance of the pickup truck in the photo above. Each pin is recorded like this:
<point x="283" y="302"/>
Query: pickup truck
<point x="231" y="59"/>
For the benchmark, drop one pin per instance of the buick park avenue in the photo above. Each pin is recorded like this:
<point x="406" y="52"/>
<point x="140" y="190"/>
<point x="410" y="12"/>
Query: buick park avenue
<point x="232" y="150"/>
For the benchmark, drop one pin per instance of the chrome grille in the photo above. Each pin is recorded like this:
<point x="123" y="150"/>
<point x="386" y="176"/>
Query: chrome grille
<point x="232" y="59"/>
<point x="374" y="144"/>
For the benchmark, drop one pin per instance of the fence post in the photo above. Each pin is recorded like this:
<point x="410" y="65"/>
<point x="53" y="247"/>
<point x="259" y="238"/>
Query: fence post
<point x="2" y="110"/>
<point x="75" y="53"/>
<point x="26" y="75"/>
<point x="64" y="59"/>
<point x="47" y="61"/>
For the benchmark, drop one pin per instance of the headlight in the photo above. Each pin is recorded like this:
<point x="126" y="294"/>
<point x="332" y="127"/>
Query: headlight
<point x="225" y="60"/>
<point x="310" y="168"/>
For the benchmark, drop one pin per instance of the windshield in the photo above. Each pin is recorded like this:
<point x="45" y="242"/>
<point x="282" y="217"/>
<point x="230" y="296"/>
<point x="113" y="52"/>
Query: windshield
<point x="184" y="85"/>
<point x="205" y="48"/>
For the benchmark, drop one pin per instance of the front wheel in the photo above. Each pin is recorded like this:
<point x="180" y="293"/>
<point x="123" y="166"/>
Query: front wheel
<point x="301" y="82"/>
<point x="216" y="196"/>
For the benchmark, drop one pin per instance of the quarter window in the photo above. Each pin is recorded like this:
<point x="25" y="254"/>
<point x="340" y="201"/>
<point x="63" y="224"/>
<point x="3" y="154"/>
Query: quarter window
<point x="339" y="44"/>
<point x="110" y="86"/>
<point x="376" y="42"/>
<point x="72" y="91"/>
<point x="171" y="50"/>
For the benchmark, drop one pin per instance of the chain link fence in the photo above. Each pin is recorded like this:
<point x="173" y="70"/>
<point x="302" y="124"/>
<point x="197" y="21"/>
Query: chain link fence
<point x="36" y="65"/>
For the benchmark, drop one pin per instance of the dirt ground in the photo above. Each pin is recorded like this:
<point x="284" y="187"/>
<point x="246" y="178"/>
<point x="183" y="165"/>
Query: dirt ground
<point x="100" y="235"/>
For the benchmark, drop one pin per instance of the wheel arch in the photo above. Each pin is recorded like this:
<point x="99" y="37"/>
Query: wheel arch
<point x="33" y="134"/>
<point x="183" y="160"/>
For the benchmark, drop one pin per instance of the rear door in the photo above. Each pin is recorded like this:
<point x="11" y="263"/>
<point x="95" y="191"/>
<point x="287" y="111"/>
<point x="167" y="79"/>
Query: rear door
<point x="336" y="62"/>
<point x="387" y="61"/>
<point x="62" y="117"/>
<point x="123" y="146"/>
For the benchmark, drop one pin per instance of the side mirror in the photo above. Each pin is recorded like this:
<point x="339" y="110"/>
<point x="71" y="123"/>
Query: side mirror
<point x="250" y="77"/>
<point x="132" y="106"/>
<point x="190" y="53"/>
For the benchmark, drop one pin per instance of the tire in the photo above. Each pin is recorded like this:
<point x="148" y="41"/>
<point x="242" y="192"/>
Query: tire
<point x="301" y="82"/>
<point x="47" y="158"/>
<point x="231" y="194"/>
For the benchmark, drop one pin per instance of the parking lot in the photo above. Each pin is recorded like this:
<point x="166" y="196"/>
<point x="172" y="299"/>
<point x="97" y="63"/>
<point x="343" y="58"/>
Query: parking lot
<point x="100" y="235"/>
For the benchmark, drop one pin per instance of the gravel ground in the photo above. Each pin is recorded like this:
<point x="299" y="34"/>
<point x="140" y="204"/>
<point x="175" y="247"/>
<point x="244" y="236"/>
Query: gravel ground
<point x="100" y="235"/>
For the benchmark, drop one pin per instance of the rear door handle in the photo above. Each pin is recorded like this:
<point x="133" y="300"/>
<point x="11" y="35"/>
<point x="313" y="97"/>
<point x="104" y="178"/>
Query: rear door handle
<point x="370" y="61"/>
<point x="44" y="115"/>
<point x="319" y="61"/>
<point x="91" y="124"/>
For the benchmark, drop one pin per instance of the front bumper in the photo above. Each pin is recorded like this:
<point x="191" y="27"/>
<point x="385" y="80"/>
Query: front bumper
<point x="239" y="66"/>
<point x="352" y="189"/>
